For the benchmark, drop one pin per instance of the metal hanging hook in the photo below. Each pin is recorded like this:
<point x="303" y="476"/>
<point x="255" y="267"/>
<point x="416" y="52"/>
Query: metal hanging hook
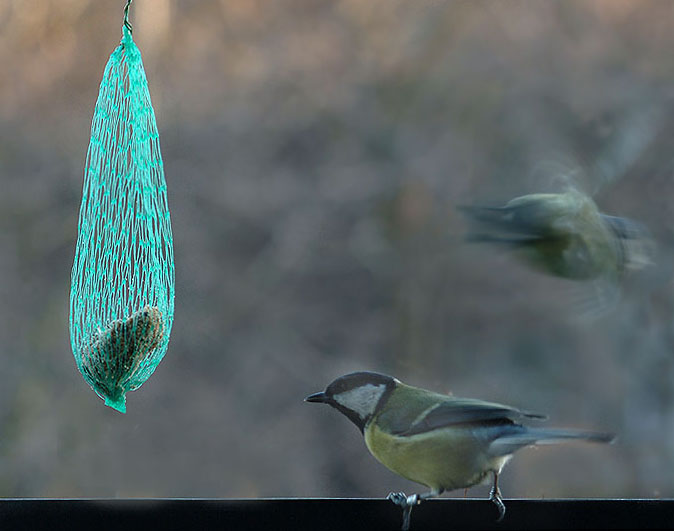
<point x="127" y="24"/>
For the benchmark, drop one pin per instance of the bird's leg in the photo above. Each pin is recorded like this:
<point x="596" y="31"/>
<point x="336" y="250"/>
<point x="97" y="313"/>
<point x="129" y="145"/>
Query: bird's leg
<point x="495" y="496"/>
<point x="408" y="502"/>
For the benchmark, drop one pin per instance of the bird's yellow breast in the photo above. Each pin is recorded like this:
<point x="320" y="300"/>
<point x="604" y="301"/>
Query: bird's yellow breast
<point x="442" y="459"/>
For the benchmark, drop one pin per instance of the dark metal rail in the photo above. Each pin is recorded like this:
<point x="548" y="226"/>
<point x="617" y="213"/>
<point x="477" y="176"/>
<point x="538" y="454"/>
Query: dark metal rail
<point x="321" y="514"/>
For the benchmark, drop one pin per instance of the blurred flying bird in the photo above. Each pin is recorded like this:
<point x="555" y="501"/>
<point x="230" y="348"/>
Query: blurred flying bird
<point x="440" y="441"/>
<point x="565" y="235"/>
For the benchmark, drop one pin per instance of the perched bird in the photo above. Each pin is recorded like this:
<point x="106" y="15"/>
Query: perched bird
<point x="565" y="235"/>
<point x="441" y="441"/>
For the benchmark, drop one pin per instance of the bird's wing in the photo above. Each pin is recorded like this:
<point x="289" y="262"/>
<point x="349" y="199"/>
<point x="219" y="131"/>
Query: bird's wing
<point x="625" y="228"/>
<point x="464" y="411"/>
<point x="635" y="243"/>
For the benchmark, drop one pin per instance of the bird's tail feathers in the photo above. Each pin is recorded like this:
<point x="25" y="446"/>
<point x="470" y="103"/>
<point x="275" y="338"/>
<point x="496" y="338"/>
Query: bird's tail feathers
<point x="508" y="444"/>
<point x="515" y="224"/>
<point x="515" y="241"/>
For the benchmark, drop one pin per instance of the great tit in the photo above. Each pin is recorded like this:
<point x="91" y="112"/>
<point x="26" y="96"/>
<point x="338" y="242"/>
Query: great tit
<point x="564" y="234"/>
<point x="441" y="441"/>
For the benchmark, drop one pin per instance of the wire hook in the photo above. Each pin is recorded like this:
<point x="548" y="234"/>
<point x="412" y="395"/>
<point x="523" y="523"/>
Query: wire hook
<point x="127" y="24"/>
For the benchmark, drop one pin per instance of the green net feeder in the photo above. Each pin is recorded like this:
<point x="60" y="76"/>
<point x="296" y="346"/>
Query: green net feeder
<point x="122" y="284"/>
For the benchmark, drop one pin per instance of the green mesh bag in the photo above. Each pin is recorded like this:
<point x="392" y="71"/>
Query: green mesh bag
<point x="122" y="285"/>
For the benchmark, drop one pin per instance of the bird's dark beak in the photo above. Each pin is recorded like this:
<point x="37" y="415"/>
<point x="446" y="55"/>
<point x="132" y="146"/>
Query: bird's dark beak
<point x="317" y="397"/>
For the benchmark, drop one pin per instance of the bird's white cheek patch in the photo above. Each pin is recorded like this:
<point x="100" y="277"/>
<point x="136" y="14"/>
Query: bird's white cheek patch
<point x="362" y="400"/>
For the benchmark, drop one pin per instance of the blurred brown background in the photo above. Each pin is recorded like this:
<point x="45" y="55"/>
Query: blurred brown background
<point x="315" y="151"/>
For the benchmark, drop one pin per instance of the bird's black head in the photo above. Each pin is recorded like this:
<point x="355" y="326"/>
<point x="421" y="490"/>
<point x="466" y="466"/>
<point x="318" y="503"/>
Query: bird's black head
<point x="358" y="395"/>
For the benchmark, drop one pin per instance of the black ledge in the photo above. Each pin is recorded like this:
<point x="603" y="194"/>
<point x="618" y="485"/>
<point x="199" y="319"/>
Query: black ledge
<point x="324" y="514"/>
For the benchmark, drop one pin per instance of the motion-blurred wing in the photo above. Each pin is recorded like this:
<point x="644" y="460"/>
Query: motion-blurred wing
<point x="637" y="247"/>
<point x="625" y="228"/>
